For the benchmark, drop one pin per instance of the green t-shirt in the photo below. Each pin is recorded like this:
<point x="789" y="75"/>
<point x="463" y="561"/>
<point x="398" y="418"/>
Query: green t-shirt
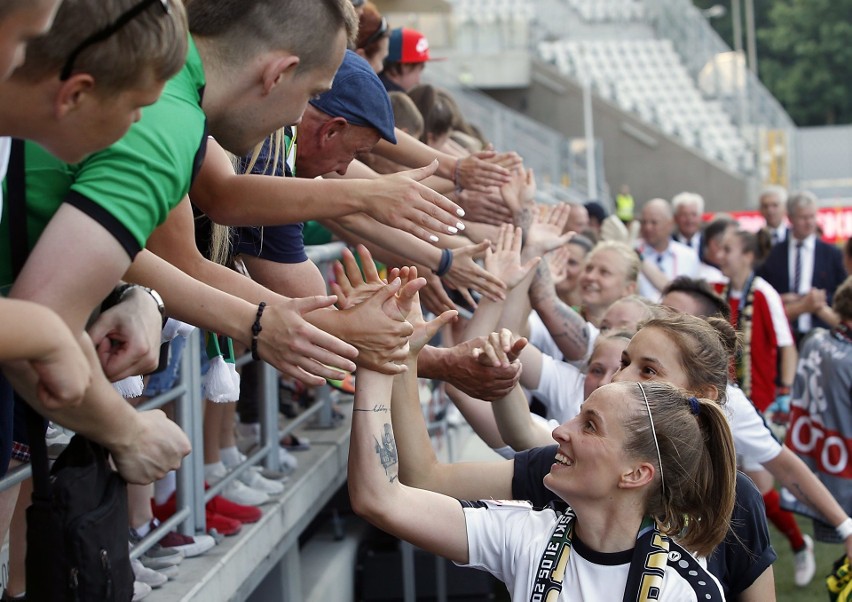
<point x="130" y="187"/>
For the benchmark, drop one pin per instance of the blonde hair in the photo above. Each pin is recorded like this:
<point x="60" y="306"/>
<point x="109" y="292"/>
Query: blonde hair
<point x="628" y="257"/>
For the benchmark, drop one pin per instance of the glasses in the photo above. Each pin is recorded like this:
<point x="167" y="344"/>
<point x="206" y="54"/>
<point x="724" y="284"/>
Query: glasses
<point x="376" y="35"/>
<point x="110" y="30"/>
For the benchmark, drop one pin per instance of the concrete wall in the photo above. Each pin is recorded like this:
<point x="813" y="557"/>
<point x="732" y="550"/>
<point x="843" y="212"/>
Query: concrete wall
<point x="651" y="163"/>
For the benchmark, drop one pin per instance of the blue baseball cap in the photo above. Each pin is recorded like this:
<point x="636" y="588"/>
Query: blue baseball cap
<point x="358" y="95"/>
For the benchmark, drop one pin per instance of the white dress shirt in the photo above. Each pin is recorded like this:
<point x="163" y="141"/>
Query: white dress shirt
<point x="676" y="260"/>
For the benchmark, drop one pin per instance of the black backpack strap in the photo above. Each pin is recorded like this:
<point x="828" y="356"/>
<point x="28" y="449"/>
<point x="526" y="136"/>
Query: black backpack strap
<point x="16" y="192"/>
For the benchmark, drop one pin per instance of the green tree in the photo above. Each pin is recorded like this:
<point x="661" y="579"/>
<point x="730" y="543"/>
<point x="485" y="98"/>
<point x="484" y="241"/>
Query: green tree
<point x="808" y="60"/>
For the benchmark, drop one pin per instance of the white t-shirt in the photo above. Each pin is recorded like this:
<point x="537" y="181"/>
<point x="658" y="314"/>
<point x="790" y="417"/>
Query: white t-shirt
<point x="560" y="388"/>
<point x="507" y="539"/>
<point x="540" y="337"/>
<point x="753" y="440"/>
<point x="5" y="151"/>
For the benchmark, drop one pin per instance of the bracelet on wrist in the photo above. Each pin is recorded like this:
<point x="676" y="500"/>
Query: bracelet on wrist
<point x="125" y="289"/>
<point x="446" y="262"/>
<point x="255" y="330"/>
<point x="457" y="176"/>
<point x="844" y="529"/>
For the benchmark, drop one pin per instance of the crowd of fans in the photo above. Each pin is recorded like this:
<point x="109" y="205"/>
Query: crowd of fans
<point x="167" y="163"/>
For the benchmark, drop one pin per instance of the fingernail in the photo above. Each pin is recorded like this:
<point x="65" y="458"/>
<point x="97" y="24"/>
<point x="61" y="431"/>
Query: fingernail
<point x="433" y="238"/>
<point x="452" y="230"/>
<point x="460" y="226"/>
<point x="460" y="212"/>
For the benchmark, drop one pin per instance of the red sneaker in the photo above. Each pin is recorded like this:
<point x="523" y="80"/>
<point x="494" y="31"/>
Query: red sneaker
<point x="218" y="505"/>
<point x="243" y="514"/>
<point x="223" y="525"/>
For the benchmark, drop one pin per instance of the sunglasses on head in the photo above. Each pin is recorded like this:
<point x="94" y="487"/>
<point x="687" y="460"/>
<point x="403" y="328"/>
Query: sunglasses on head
<point x="378" y="34"/>
<point x="109" y="31"/>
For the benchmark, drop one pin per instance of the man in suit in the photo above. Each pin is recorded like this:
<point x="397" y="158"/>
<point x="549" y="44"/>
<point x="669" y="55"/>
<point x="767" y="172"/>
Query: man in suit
<point x="803" y="268"/>
<point x="773" y="208"/>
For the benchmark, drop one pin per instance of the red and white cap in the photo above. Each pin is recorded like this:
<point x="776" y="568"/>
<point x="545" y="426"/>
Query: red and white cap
<point x="408" y="46"/>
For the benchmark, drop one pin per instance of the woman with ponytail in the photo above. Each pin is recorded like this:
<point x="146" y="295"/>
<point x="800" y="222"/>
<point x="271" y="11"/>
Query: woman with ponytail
<point x="647" y="472"/>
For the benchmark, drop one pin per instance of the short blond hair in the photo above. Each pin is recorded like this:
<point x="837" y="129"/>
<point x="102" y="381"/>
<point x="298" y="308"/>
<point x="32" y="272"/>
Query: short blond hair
<point x="154" y="43"/>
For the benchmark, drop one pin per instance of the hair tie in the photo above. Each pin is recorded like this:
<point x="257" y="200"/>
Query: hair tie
<point x="694" y="406"/>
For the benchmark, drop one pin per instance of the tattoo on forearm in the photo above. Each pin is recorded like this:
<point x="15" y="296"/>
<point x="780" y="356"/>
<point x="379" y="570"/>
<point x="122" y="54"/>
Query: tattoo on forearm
<point x="376" y="408"/>
<point x="386" y="449"/>
<point x="802" y="495"/>
<point x="567" y="327"/>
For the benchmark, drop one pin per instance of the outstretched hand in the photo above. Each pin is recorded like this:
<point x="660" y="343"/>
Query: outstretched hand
<point x="500" y="348"/>
<point x="519" y="192"/>
<point x="350" y="286"/>
<point x="465" y="273"/>
<point x="423" y="330"/>
<point x="545" y="232"/>
<point x="401" y="201"/>
<point x="505" y="261"/>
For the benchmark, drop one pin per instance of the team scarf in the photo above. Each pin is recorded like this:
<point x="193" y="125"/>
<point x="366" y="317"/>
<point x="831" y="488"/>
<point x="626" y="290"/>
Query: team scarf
<point x="743" y="325"/>
<point x="644" y="577"/>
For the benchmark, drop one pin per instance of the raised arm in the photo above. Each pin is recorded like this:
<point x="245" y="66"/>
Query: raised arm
<point x="398" y="200"/>
<point x="374" y="487"/>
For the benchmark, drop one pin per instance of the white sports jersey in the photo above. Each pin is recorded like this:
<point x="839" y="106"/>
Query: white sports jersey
<point x="753" y="440"/>
<point x="507" y="539"/>
<point x="560" y="388"/>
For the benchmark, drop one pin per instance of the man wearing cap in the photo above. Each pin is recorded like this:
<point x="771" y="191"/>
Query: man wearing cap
<point x="408" y="53"/>
<point x="348" y="119"/>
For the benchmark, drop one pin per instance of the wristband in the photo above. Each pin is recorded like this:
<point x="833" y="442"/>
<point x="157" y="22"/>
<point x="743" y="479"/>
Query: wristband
<point x="445" y="264"/>
<point x="844" y="529"/>
<point x="255" y="331"/>
<point x="782" y="390"/>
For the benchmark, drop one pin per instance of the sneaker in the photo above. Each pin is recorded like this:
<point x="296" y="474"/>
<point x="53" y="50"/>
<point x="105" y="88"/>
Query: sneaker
<point x="804" y="565"/>
<point x="252" y="478"/>
<point x="293" y="443"/>
<point x="171" y="572"/>
<point x="241" y="512"/>
<point x="237" y="491"/>
<point x="189" y="545"/>
<point x="222" y="525"/>
<point x="217" y="507"/>
<point x="147" y="576"/>
<point x="157" y="557"/>
<point x="288" y="461"/>
<point x="185" y="544"/>
<point x="140" y="590"/>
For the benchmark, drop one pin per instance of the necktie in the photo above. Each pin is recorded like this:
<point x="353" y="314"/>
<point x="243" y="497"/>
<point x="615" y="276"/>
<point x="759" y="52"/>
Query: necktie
<point x="774" y="237"/>
<point x="797" y="267"/>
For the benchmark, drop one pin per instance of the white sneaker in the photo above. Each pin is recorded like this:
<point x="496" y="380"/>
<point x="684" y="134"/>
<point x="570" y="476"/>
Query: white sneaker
<point x="237" y="491"/>
<point x="140" y="590"/>
<point x="288" y="461"/>
<point x="171" y="572"/>
<point x="255" y="480"/>
<point x="147" y="576"/>
<point x="804" y="565"/>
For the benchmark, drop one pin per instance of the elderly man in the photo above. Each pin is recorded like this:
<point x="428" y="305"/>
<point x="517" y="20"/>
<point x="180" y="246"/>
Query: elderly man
<point x="773" y="208"/>
<point x="688" y="209"/>
<point x="663" y="259"/>
<point x="803" y="268"/>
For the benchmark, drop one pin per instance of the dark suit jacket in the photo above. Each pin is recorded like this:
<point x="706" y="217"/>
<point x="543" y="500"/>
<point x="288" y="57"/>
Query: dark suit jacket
<point x="829" y="272"/>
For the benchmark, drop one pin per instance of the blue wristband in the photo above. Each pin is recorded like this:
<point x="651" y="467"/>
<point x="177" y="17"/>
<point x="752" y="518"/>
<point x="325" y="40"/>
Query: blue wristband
<point x="446" y="262"/>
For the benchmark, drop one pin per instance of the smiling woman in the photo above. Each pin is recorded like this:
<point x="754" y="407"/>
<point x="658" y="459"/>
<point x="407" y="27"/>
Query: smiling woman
<point x="627" y="467"/>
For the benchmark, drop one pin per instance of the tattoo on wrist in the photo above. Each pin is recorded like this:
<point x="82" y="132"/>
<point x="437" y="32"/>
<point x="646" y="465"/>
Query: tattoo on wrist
<point x="376" y="408"/>
<point x="386" y="449"/>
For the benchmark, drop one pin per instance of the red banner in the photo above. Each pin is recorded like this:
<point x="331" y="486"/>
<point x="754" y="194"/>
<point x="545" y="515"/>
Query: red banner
<point x="829" y="449"/>
<point x="836" y="223"/>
